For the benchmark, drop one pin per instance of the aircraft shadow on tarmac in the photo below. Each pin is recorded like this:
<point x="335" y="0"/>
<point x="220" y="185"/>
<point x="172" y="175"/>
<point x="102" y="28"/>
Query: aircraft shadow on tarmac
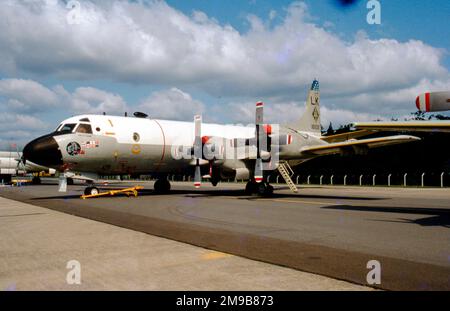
<point x="439" y="217"/>
<point x="238" y="193"/>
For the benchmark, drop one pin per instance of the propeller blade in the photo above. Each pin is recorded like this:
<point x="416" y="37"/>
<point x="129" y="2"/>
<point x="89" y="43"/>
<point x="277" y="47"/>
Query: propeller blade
<point x="198" y="176"/>
<point x="259" y="113"/>
<point x="258" y="171"/>
<point x="198" y="137"/>
<point x="198" y="150"/>
<point x="62" y="183"/>
<point x="259" y="119"/>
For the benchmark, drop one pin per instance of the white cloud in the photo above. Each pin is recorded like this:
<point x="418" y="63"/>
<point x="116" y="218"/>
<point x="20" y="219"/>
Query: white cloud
<point x="25" y="103"/>
<point x="26" y="95"/>
<point x="171" y="104"/>
<point x="92" y="100"/>
<point x="9" y="121"/>
<point x="152" y="42"/>
<point x="19" y="129"/>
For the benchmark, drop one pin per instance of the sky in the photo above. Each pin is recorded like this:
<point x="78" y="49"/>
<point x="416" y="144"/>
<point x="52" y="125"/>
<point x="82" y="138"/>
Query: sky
<point x="177" y="58"/>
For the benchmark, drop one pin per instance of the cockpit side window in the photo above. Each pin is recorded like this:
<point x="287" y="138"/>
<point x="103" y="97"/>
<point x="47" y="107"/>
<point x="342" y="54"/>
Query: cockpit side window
<point x="84" y="128"/>
<point x="67" y="127"/>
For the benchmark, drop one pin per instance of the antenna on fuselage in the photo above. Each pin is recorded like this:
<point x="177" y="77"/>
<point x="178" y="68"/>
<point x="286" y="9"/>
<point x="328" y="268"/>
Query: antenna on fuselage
<point x="138" y="114"/>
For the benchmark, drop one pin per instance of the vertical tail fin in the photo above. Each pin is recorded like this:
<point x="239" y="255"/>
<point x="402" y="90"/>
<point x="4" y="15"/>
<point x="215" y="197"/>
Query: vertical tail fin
<point x="310" y="120"/>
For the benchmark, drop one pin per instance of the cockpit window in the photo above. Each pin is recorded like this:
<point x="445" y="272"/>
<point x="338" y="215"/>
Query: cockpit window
<point x="84" y="128"/>
<point x="59" y="126"/>
<point x="67" y="127"/>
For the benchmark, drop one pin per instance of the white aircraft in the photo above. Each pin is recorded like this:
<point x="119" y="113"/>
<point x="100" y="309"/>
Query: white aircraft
<point x="11" y="164"/>
<point x="93" y="145"/>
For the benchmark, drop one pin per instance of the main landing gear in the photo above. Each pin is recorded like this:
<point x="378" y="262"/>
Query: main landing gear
<point x="261" y="189"/>
<point x="162" y="186"/>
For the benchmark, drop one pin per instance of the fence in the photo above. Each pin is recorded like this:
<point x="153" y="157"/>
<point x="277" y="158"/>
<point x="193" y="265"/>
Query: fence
<point x="424" y="179"/>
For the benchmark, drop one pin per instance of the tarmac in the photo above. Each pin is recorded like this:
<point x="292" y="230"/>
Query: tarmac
<point x="36" y="245"/>
<point x="329" y="233"/>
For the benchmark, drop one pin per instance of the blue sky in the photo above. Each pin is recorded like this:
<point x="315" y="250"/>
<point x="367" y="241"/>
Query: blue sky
<point x="171" y="61"/>
<point x="403" y="20"/>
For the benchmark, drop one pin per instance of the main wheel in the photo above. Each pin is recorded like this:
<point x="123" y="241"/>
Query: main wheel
<point x="250" y="188"/>
<point x="261" y="189"/>
<point x="36" y="180"/>
<point x="162" y="186"/>
<point x="91" y="191"/>
<point x="269" y="190"/>
<point x="264" y="190"/>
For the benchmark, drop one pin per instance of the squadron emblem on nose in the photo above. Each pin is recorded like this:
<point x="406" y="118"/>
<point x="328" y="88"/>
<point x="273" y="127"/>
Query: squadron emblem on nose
<point x="73" y="148"/>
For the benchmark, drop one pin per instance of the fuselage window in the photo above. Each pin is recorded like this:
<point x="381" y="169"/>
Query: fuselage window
<point x="67" y="127"/>
<point x="84" y="128"/>
<point x="136" y="137"/>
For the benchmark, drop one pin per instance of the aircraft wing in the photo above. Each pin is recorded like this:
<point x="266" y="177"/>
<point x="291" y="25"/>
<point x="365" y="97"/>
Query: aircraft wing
<point x="341" y="147"/>
<point x="412" y="126"/>
<point x="346" y="136"/>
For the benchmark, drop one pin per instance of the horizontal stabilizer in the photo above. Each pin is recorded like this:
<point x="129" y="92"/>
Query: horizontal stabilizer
<point x="346" y="136"/>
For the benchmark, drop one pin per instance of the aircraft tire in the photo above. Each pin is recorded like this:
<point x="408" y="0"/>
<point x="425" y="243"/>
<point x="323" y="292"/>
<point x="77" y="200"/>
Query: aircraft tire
<point x="261" y="189"/>
<point x="162" y="186"/>
<point x="91" y="191"/>
<point x="36" y="180"/>
<point x="264" y="190"/>
<point x="269" y="190"/>
<point x="250" y="188"/>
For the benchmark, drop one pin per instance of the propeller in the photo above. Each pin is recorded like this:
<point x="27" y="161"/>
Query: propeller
<point x="198" y="150"/>
<point x="259" y="138"/>
<point x="20" y="160"/>
<point x="62" y="183"/>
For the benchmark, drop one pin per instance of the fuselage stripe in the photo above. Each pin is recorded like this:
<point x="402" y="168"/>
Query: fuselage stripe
<point x="164" y="146"/>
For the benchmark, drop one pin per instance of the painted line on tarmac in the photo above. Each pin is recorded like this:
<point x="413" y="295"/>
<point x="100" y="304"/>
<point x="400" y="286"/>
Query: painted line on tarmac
<point x="300" y="201"/>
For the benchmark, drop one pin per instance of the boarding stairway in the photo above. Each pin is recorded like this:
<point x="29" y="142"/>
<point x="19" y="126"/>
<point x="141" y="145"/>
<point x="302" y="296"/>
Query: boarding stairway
<point x="286" y="172"/>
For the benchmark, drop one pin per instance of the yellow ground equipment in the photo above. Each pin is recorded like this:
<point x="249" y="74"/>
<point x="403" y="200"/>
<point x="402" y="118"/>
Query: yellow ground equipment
<point x="19" y="182"/>
<point x="127" y="191"/>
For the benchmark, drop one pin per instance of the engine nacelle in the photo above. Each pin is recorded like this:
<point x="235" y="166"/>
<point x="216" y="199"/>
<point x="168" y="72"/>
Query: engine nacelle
<point x="433" y="101"/>
<point x="242" y="173"/>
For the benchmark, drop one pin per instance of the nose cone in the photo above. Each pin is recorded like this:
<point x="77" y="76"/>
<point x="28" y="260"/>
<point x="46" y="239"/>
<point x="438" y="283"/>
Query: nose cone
<point x="43" y="151"/>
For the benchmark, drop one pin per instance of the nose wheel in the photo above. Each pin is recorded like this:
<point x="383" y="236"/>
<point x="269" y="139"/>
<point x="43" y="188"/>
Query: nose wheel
<point x="162" y="186"/>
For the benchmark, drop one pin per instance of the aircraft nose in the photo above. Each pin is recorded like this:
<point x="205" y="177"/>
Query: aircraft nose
<point x="43" y="151"/>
